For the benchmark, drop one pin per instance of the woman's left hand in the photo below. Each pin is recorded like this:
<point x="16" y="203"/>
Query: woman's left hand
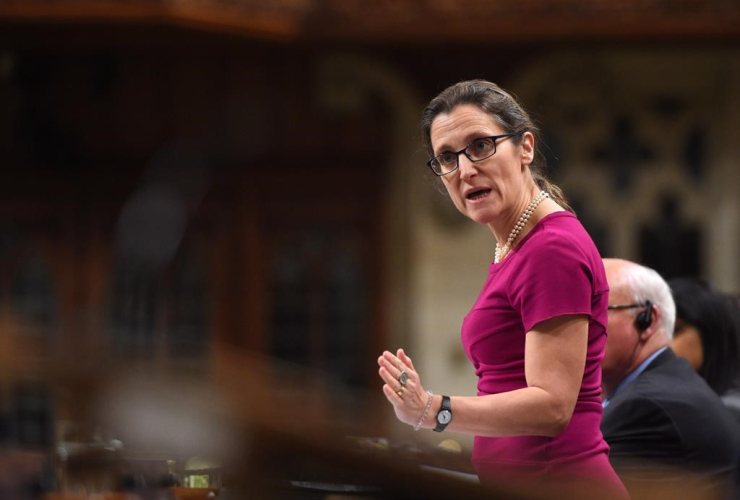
<point x="404" y="392"/>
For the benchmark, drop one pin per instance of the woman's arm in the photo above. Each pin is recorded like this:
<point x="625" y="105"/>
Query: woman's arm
<point x="554" y="361"/>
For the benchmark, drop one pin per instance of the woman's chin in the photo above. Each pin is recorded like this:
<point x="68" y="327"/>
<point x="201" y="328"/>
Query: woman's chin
<point x="479" y="216"/>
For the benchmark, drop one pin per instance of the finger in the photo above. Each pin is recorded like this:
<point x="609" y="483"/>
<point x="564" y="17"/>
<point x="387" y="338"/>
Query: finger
<point x="387" y="365"/>
<point x="388" y="361"/>
<point x="411" y="386"/>
<point x="405" y="359"/>
<point x="394" y="398"/>
<point x="408" y="366"/>
<point x="391" y="363"/>
<point x="392" y="359"/>
<point x="389" y="379"/>
<point x="412" y="394"/>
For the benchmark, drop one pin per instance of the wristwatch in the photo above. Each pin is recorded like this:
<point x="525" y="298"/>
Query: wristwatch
<point x="444" y="416"/>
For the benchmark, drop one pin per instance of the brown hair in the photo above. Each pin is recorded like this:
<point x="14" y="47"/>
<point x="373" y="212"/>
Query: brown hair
<point x="507" y="112"/>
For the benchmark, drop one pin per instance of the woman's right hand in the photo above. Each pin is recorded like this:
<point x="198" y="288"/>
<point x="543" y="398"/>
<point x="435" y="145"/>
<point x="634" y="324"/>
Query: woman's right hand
<point x="410" y="399"/>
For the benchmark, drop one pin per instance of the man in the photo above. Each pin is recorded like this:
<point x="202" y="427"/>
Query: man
<point x="660" y="417"/>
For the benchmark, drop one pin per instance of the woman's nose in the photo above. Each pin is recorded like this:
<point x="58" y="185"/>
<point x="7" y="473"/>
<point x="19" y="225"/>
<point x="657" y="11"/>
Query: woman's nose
<point x="467" y="168"/>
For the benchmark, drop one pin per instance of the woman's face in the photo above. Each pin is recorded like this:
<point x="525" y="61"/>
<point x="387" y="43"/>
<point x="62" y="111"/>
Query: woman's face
<point x="687" y="343"/>
<point x="486" y="189"/>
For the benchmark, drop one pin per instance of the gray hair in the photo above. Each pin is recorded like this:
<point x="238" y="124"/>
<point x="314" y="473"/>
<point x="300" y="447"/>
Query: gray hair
<point x="642" y="284"/>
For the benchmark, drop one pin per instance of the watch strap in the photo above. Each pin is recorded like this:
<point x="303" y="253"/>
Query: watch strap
<point x="446" y="407"/>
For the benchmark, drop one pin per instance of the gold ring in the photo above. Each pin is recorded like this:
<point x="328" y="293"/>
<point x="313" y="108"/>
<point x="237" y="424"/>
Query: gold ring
<point x="400" y="393"/>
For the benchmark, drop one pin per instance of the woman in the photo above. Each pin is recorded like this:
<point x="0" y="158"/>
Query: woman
<point x="706" y="334"/>
<point x="536" y="334"/>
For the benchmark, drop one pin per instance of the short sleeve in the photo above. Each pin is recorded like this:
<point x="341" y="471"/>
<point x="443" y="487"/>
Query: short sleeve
<point x="554" y="279"/>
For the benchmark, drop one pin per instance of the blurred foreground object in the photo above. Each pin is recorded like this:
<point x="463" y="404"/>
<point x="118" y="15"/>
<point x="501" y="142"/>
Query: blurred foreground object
<point x="249" y="428"/>
<point x="418" y="20"/>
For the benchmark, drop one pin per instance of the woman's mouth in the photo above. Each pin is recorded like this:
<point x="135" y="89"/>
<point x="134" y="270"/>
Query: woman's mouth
<point x="478" y="195"/>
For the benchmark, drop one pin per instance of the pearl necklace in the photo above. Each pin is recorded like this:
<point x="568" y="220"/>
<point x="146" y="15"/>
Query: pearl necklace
<point x="500" y="253"/>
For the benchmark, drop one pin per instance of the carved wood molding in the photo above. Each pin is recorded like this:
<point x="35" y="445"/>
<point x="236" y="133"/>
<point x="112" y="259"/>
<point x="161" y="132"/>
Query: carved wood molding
<point x="407" y="20"/>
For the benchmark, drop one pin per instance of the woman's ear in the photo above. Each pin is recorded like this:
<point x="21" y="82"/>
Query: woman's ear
<point x="527" y="148"/>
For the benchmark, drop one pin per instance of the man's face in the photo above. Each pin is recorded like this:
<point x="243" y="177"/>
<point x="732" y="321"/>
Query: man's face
<point x="622" y="342"/>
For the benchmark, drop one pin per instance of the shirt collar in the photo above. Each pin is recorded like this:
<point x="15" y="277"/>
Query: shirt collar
<point x="632" y="376"/>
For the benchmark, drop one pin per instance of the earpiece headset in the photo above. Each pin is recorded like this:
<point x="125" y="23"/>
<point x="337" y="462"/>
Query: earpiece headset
<point x="645" y="318"/>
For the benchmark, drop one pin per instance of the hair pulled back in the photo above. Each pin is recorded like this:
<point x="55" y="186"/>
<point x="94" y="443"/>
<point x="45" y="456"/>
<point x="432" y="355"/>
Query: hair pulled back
<point x="507" y="112"/>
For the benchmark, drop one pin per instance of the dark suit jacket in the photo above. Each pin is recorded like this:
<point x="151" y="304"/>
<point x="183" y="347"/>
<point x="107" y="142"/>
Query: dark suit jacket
<point x="669" y="418"/>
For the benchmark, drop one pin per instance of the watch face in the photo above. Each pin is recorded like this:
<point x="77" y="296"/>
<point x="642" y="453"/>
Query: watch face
<point x="444" y="417"/>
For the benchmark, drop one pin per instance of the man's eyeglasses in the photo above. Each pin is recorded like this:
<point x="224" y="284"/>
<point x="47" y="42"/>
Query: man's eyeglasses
<point x="478" y="150"/>
<point x="627" y="306"/>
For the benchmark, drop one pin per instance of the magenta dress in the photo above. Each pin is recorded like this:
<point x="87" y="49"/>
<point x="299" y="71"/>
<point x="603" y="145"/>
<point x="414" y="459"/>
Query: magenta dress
<point x="554" y="271"/>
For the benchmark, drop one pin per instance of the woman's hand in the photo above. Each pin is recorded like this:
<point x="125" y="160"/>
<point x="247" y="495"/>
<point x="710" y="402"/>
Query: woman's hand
<point x="408" y="399"/>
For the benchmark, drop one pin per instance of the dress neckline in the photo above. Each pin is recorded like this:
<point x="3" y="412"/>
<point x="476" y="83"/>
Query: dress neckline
<point x="512" y="253"/>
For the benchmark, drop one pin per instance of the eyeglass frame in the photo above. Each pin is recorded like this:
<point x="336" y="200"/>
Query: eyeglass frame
<point x="495" y="138"/>
<point x="617" y="307"/>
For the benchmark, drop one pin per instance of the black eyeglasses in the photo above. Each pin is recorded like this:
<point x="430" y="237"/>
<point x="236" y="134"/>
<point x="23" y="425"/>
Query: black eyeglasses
<point x="627" y="306"/>
<point x="478" y="150"/>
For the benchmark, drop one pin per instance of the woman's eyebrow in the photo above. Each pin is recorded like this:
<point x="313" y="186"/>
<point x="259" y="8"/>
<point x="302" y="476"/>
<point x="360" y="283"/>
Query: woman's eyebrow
<point x="470" y="137"/>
